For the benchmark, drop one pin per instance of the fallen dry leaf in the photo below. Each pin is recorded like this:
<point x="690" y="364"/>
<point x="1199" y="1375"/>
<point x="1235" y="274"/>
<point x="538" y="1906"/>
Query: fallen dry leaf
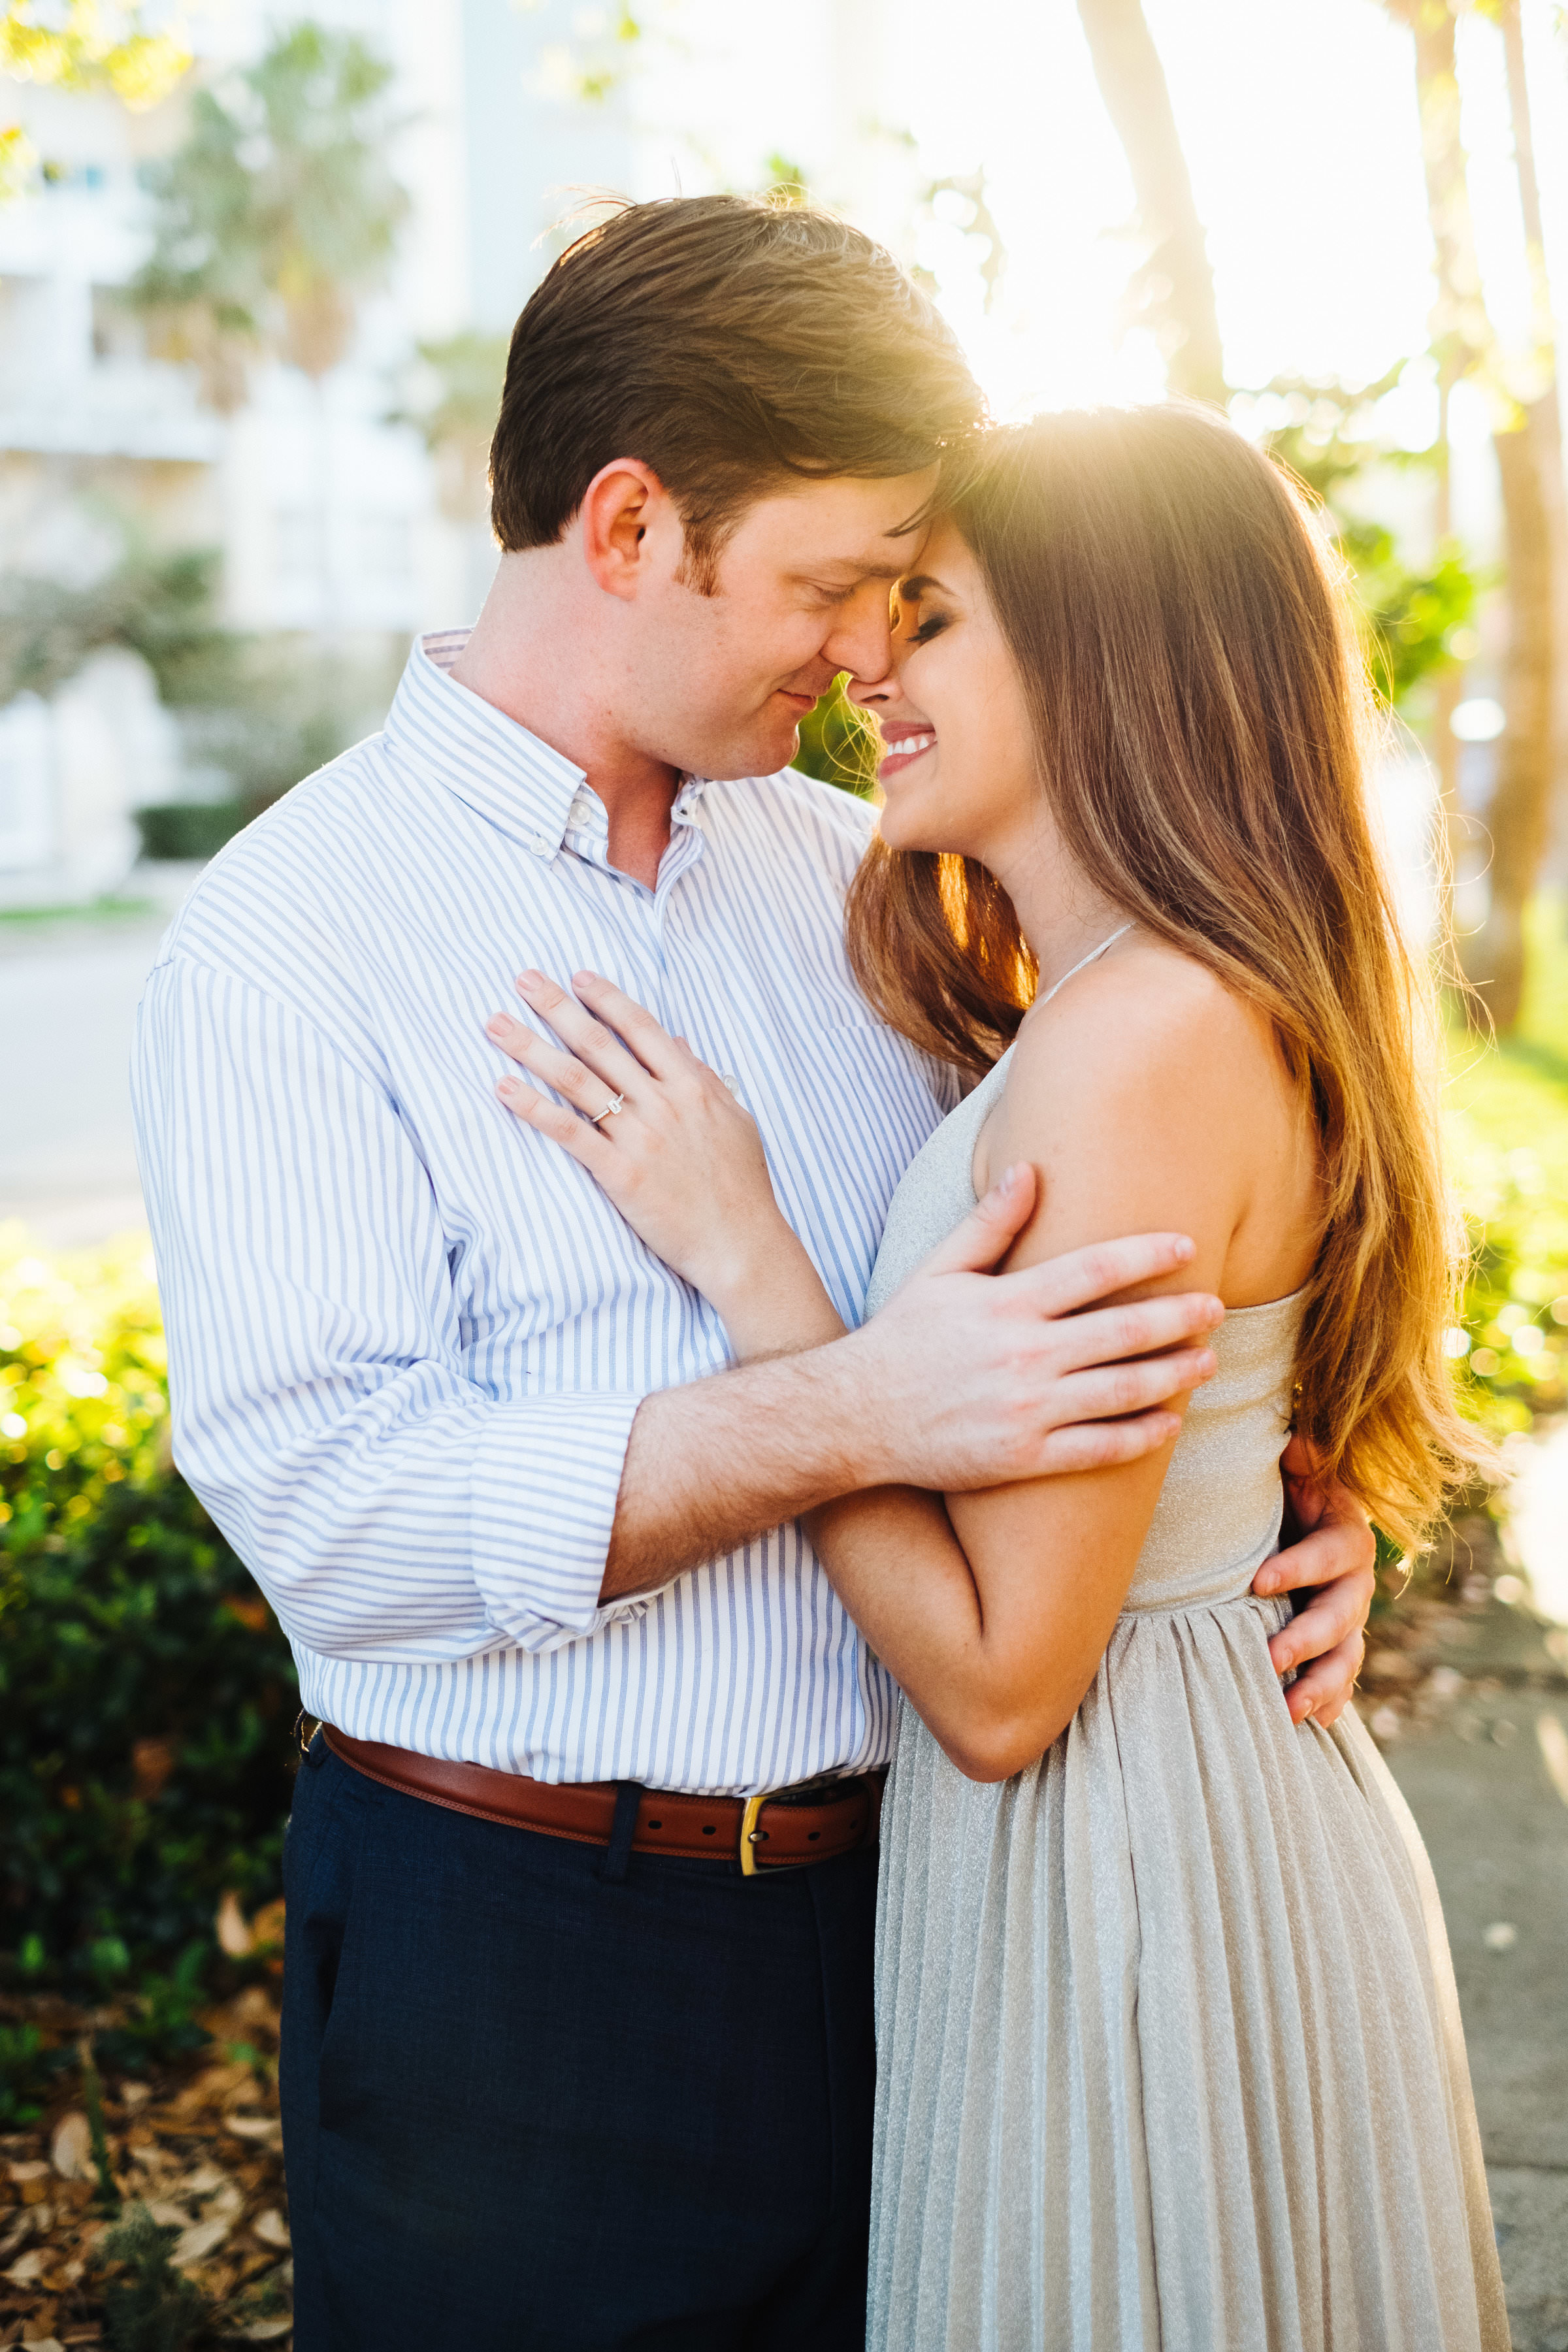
<point x="266" y="2128"/>
<point x="70" y="2149"/>
<point x="152" y="1761"/>
<point x="20" y="2226"/>
<point x="170" y="2146"/>
<point x="232" y="1927"/>
<point x="194" y="2244"/>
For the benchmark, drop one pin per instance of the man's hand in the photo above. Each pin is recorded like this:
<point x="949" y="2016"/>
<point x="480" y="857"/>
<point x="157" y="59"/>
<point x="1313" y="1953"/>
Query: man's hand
<point x="978" y="1379"/>
<point x="1333" y="1555"/>
<point x="964" y="1380"/>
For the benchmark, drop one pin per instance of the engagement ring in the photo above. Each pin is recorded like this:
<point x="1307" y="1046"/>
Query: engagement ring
<point x="611" y="1107"/>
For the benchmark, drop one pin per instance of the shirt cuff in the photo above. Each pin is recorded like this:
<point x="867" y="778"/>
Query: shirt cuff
<point x="546" y="1478"/>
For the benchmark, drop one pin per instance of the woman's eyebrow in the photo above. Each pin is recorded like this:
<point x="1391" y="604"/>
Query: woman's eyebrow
<point x="918" y="584"/>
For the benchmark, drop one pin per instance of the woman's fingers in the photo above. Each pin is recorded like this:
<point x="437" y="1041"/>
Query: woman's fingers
<point x="654" y="1047"/>
<point x="588" y="1039"/>
<point x="561" y="1126"/>
<point x="588" y="1090"/>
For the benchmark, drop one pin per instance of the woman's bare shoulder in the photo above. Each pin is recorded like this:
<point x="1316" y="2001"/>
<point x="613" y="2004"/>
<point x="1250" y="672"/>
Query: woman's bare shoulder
<point x="1151" y="1096"/>
<point x="1150" y="1021"/>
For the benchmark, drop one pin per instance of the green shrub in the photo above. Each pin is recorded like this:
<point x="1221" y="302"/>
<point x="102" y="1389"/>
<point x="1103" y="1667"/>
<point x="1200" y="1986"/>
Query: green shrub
<point x="190" y="828"/>
<point x="148" y="2305"/>
<point x="838" y="744"/>
<point x="146" y="1692"/>
<point x="1508" y="1130"/>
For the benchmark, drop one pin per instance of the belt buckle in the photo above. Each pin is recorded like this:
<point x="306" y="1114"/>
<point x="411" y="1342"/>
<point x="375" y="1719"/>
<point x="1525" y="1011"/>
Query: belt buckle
<point x="751" y="1836"/>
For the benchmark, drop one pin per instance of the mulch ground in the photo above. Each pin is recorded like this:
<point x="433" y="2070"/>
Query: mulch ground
<point x="197" y="2148"/>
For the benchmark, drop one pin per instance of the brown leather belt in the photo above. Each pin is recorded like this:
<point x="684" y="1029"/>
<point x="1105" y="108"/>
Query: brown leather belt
<point x="778" y="1830"/>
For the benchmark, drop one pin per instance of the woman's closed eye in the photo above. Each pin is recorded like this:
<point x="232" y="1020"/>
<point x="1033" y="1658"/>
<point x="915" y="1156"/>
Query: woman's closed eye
<point x="931" y="627"/>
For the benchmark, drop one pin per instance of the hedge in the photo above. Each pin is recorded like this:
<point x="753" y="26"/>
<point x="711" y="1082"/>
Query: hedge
<point x="146" y="1691"/>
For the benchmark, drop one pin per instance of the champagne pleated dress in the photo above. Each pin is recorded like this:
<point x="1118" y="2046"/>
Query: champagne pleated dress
<point x="1169" y="2050"/>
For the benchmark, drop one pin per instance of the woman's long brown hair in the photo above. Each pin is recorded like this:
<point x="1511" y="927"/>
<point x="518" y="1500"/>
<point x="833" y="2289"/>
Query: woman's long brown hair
<point x="1203" y="724"/>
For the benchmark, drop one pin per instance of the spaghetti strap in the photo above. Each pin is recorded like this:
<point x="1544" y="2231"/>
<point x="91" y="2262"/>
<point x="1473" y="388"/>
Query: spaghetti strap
<point x="1082" y="965"/>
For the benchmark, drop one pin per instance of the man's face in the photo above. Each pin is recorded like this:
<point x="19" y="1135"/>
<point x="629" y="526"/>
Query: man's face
<point x="720" y="683"/>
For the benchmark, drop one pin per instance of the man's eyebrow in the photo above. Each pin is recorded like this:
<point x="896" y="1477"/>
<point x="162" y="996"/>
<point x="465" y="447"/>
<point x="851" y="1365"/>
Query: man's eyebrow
<point x="837" y="571"/>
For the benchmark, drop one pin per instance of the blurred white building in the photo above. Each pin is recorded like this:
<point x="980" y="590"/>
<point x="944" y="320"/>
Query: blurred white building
<point x="329" y="517"/>
<point x="494" y="149"/>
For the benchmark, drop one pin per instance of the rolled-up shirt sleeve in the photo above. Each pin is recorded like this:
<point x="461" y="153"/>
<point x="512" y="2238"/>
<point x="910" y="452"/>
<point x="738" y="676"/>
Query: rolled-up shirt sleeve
<point x="389" y="1507"/>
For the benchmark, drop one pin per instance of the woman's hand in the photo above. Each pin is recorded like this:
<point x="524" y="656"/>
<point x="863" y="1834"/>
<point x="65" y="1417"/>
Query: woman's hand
<point x="665" y="1137"/>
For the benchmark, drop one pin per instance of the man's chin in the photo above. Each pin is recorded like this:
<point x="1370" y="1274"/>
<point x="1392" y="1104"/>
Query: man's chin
<point x="764" y="755"/>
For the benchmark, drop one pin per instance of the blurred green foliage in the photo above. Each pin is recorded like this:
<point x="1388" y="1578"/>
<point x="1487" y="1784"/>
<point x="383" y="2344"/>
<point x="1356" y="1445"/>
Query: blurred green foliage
<point x="148" y="2305"/>
<point x="1412" y="614"/>
<point x="79" y="45"/>
<point x="454" y="388"/>
<point x="183" y="830"/>
<point x="278" y="211"/>
<point x="838" y="743"/>
<point x="256" y="713"/>
<point x="1508" y="1126"/>
<point x="158" y="603"/>
<point x="145" y="1690"/>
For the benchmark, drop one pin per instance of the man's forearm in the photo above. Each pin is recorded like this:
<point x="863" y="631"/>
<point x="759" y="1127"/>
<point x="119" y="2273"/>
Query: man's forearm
<point x="962" y="1381"/>
<point x="714" y="1464"/>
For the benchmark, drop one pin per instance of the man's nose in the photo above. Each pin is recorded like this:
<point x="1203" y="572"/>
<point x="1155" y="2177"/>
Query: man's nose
<point x="862" y="639"/>
<point x="870" y="693"/>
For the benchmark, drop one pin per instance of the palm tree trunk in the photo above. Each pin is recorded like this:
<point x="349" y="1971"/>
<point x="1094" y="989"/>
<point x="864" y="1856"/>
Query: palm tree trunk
<point x="1493" y="957"/>
<point x="1545" y="407"/>
<point x="1518" y="818"/>
<point x="1448" y="684"/>
<point x="1176" y="285"/>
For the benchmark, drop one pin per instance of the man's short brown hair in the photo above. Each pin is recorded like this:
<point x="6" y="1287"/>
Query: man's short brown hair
<point x="730" y="343"/>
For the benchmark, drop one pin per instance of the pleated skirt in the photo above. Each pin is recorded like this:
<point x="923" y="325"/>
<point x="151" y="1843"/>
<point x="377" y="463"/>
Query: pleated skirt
<point x="1169" y="2050"/>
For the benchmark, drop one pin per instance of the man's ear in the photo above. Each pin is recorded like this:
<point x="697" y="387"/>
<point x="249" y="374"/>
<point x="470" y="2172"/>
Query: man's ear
<point x="625" y="512"/>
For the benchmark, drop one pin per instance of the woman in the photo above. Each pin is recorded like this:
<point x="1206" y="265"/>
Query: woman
<point x="1169" y="2049"/>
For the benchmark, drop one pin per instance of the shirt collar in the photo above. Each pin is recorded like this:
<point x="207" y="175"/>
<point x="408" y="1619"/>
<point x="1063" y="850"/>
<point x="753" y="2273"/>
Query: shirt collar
<point x="501" y="771"/>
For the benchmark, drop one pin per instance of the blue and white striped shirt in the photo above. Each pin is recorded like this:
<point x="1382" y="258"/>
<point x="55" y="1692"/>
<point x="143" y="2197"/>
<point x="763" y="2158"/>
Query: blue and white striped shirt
<point x="407" y="1336"/>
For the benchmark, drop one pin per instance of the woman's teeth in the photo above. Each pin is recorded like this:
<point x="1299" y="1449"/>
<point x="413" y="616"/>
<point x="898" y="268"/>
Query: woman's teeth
<point x="902" y="747"/>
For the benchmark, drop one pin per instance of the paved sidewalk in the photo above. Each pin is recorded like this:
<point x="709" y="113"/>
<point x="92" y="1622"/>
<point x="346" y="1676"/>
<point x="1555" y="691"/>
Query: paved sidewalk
<point x="68" y="991"/>
<point x="1489" y="1785"/>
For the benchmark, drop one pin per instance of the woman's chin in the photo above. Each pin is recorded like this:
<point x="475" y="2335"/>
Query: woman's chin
<point x="901" y="829"/>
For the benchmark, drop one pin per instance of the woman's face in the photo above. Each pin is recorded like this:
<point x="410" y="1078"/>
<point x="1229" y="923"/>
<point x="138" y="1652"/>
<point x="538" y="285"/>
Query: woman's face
<point x="958" y="773"/>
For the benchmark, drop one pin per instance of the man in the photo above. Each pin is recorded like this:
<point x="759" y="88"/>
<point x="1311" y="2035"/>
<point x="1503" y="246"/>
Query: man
<point x="577" y="2044"/>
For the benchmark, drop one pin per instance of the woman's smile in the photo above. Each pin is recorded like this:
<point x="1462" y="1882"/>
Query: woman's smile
<point x="906" y="743"/>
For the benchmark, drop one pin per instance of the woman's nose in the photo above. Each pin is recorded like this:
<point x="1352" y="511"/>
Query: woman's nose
<point x="869" y="692"/>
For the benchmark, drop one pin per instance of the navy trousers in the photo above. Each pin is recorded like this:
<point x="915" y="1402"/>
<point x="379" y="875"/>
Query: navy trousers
<point x="530" y="2105"/>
